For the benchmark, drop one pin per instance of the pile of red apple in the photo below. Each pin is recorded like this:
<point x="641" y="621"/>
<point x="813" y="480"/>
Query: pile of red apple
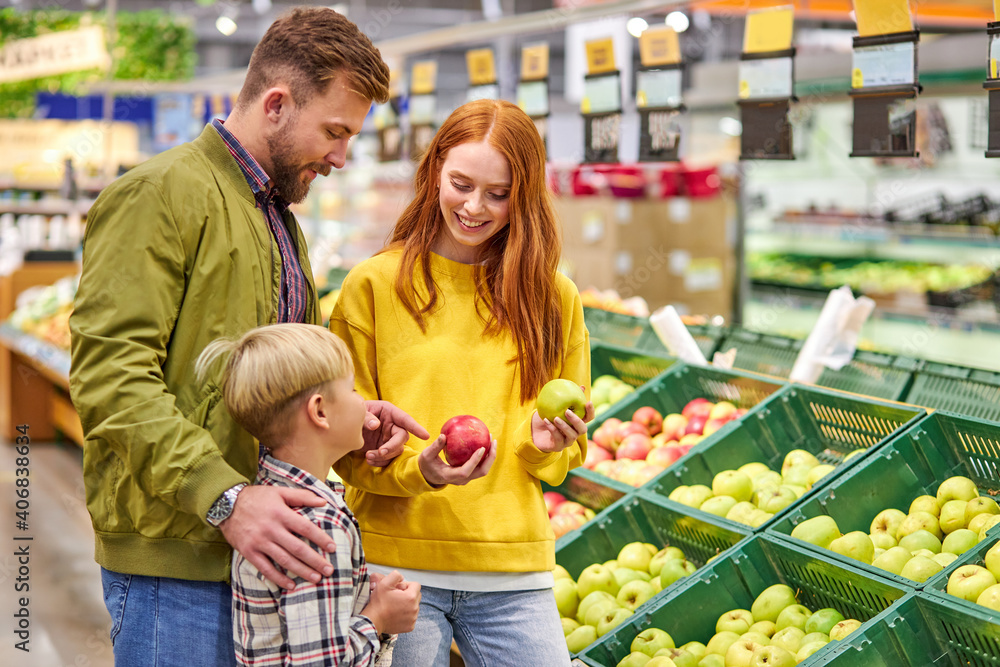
<point x="636" y="451"/>
<point x="565" y="515"/>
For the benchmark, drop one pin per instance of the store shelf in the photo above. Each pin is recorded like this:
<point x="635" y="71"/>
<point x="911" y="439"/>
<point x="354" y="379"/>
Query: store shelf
<point x="862" y="230"/>
<point x="52" y="361"/>
<point x="46" y="207"/>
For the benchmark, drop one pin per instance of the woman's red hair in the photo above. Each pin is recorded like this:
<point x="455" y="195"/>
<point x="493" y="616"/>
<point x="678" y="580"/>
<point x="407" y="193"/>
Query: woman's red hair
<point x="516" y="277"/>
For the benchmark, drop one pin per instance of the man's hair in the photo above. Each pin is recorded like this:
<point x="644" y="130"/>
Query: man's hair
<point x="271" y="370"/>
<point x="307" y="48"/>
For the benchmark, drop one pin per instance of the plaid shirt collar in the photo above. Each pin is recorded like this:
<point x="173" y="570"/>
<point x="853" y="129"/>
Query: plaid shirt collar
<point x="274" y="468"/>
<point x="257" y="178"/>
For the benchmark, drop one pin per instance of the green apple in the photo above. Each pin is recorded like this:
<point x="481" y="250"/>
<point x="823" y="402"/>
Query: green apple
<point x="977" y="522"/>
<point x="675" y="569"/>
<point x="792" y="616"/>
<point x="990" y="597"/>
<point x="772" y="656"/>
<point x="944" y="559"/>
<point x="920" y="569"/>
<point x="758" y="518"/>
<point x="807" y="650"/>
<point x="992" y="560"/>
<point x="924" y="552"/>
<point x="772" y="600"/>
<point x="697" y="649"/>
<point x="893" y="560"/>
<point x="662" y="556"/>
<point x="844" y="628"/>
<point x="969" y="581"/>
<point x="597" y="611"/>
<point x="696" y="495"/>
<point x="656" y="583"/>
<point x="596" y="577"/>
<point x="980" y="505"/>
<point x="788" y="638"/>
<point x="798" y="457"/>
<point x="611" y="564"/>
<point x="720" y="642"/>
<point x="888" y="521"/>
<point x="581" y="638"/>
<point x="735" y="620"/>
<point x="920" y="539"/>
<point x="799" y="490"/>
<point x="774" y="500"/>
<point x="915" y="521"/>
<point x="952" y="516"/>
<point x="651" y="640"/>
<point x="569" y="625"/>
<point x="559" y="572"/>
<point x="856" y="545"/>
<point x="927" y="504"/>
<point x="766" y="628"/>
<point x="662" y="661"/>
<point x="734" y="484"/>
<point x="796" y="475"/>
<point x="878" y="552"/>
<point x="766" y="479"/>
<point x="712" y="660"/>
<point x="635" y="556"/>
<point x="719" y="505"/>
<point x="612" y="620"/>
<point x="623" y="575"/>
<point x="988" y="526"/>
<point x="756" y="637"/>
<point x="856" y="452"/>
<point x="635" y="660"/>
<point x="818" y="473"/>
<point x="678" y="657"/>
<point x="558" y="396"/>
<point x="635" y="593"/>
<point x="592" y="599"/>
<point x="753" y="469"/>
<point x="823" y="620"/>
<point x="820" y="530"/>
<point x="740" y="512"/>
<point x="883" y="540"/>
<point x="651" y="548"/>
<point x="957" y="488"/>
<point x="811" y="637"/>
<point x="566" y="597"/>
<point x="741" y="653"/>
<point x="677" y="494"/>
<point x="959" y="541"/>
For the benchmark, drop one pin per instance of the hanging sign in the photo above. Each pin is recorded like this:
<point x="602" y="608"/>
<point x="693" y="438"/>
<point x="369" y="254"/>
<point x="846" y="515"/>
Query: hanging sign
<point x="56" y="53"/>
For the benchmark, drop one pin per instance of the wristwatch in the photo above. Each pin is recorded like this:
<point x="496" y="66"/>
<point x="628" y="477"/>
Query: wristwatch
<point x="223" y="507"/>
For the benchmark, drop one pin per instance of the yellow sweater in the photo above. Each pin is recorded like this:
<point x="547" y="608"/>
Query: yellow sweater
<point x="494" y="524"/>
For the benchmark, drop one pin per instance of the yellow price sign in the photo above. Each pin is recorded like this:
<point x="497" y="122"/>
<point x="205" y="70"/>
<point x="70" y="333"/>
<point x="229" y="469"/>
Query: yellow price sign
<point x="744" y="89"/>
<point x="600" y="56"/>
<point x="481" y="68"/>
<point x="857" y="78"/>
<point x="585" y="105"/>
<point x="769" y="30"/>
<point x="640" y="99"/>
<point x="423" y="77"/>
<point x="993" y="68"/>
<point x="882" y="17"/>
<point x="659" y="46"/>
<point x="534" y="62"/>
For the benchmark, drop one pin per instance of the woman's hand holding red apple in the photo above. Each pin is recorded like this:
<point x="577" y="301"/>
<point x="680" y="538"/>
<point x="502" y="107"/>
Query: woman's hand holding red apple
<point x="438" y="473"/>
<point x="557" y="435"/>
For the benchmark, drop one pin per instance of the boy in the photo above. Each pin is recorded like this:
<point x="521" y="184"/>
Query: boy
<point x="291" y="386"/>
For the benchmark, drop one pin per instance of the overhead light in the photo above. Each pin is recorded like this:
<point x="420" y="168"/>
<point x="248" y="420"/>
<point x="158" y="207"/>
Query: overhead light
<point x="261" y="6"/>
<point x="730" y="126"/>
<point x="636" y="26"/>
<point x="678" y="21"/>
<point x="225" y="25"/>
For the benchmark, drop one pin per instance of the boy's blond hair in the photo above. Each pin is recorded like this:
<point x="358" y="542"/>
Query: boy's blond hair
<point x="271" y="369"/>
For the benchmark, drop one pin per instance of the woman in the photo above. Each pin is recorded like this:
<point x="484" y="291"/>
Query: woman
<point x="464" y="313"/>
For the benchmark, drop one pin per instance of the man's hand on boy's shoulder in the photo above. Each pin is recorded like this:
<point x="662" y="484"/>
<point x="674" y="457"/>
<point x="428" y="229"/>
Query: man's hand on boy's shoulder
<point x="267" y="531"/>
<point x="387" y="428"/>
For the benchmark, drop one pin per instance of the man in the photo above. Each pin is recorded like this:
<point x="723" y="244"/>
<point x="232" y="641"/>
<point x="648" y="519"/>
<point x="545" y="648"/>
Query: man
<point x="195" y="244"/>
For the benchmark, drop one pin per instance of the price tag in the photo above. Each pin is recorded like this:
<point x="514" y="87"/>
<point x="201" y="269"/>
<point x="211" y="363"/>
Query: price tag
<point x="769" y="30"/>
<point x="885" y="65"/>
<point x="600" y="56"/>
<point x="423" y="78"/>
<point x="659" y="46"/>
<point x="481" y="68"/>
<point x="535" y="62"/>
<point x="770" y="77"/>
<point x="883" y="17"/>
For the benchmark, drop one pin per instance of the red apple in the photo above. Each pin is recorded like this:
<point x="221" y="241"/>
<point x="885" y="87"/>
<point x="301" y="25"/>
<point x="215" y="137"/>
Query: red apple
<point x="660" y="439"/>
<point x="596" y="454"/>
<point x="463" y="436"/>
<point x="645" y="474"/>
<point x="604" y="435"/>
<point x="684" y="449"/>
<point x="628" y="428"/>
<point x="635" y="446"/>
<point x="570" y="507"/>
<point x="564" y="523"/>
<point x="663" y="456"/>
<point x="696" y="425"/>
<point x="722" y="410"/>
<point x="650" y="418"/>
<point x="552" y="501"/>
<point x="606" y="468"/>
<point x="674" y="425"/>
<point x="713" y="425"/>
<point x="697" y="406"/>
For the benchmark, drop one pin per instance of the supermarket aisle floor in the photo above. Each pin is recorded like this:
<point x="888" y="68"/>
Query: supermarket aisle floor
<point x="68" y="622"/>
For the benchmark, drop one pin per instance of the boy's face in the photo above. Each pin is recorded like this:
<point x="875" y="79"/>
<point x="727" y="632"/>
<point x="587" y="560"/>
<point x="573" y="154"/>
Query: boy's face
<point x="347" y="415"/>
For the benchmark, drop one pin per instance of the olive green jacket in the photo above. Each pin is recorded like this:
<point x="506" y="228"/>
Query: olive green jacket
<point x="175" y="255"/>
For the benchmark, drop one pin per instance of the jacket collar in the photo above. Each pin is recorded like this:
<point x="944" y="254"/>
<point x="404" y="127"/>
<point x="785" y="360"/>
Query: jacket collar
<point x="274" y="468"/>
<point x="215" y="149"/>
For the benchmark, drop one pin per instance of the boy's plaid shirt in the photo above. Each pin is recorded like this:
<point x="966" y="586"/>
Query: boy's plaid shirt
<point x="313" y="624"/>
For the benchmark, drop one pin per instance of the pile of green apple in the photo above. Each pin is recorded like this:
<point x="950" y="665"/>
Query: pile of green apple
<point x="918" y="544"/>
<point x="776" y="631"/>
<point x="978" y="583"/>
<point x="753" y="493"/>
<point x="606" y="594"/>
<point x="607" y="390"/>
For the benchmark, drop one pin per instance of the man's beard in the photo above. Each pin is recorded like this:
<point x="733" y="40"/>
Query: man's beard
<point x="288" y="174"/>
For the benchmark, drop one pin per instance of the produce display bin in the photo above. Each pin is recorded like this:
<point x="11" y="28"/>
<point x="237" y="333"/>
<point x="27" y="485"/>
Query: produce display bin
<point x="645" y="518"/>
<point x="967" y="391"/>
<point x="824" y="422"/>
<point x="938" y="447"/>
<point x="706" y="336"/>
<point x="627" y="364"/>
<point x="636" y="332"/>
<point x="590" y="490"/>
<point x="734" y="580"/>
<point x="869" y="373"/>
<point x="919" y="630"/>
<point x="937" y="586"/>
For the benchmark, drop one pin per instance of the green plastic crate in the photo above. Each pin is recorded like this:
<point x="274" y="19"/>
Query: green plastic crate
<point x="873" y="374"/>
<point x="706" y="336"/>
<point x="645" y="518"/>
<point x="590" y="490"/>
<point x="937" y="586"/>
<point x="627" y="364"/>
<point x="827" y="423"/>
<point x="689" y="611"/>
<point x="762" y="353"/>
<point x="915" y="463"/>
<point x="967" y="391"/>
<point x="636" y="332"/>
<point x="919" y="630"/>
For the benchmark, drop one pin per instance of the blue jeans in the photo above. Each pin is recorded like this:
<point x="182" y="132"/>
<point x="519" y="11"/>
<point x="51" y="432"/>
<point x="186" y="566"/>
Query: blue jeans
<point x="162" y="622"/>
<point x="513" y="628"/>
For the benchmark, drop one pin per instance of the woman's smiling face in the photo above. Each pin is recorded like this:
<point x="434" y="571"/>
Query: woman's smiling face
<point x="474" y="194"/>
